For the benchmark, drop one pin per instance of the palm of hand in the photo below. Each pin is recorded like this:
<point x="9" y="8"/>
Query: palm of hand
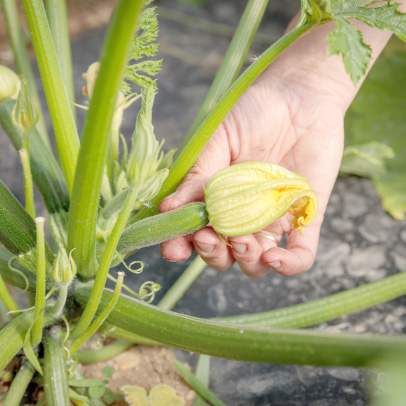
<point x="284" y="126"/>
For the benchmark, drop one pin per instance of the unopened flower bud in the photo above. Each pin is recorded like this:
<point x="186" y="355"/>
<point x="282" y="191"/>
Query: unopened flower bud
<point x="9" y="84"/>
<point x="245" y="198"/>
<point x="64" y="267"/>
<point x="90" y="77"/>
<point x="25" y="113"/>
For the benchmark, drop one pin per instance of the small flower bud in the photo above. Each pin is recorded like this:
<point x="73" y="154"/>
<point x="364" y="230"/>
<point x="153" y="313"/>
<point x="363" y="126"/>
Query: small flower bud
<point x="25" y="113"/>
<point x="64" y="267"/>
<point x="245" y="198"/>
<point x="90" y="76"/>
<point x="9" y="84"/>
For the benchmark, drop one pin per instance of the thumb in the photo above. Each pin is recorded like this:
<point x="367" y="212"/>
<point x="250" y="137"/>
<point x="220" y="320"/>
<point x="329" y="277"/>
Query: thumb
<point x="214" y="157"/>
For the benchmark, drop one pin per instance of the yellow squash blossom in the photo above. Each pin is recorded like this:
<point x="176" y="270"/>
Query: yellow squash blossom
<point x="245" y="198"/>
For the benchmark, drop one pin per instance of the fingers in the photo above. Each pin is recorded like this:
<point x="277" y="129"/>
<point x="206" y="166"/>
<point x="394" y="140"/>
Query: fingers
<point x="246" y="250"/>
<point x="299" y="254"/>
<point x="177" y="250"/>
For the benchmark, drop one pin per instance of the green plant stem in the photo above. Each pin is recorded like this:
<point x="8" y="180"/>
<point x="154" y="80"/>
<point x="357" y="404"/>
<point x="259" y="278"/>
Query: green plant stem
<point x="22" y="60"/>
<point x="328" y="308"/>
<point x="105" y="261"/>
<point x="275" y="346"/>
<point x="96" y="137"/>
<point x="40" y="286"/>
<point x="4" y="315"/>
<point x="28" y="185"/>
<point x="203" y="374"/>
<point x="187" y="155"/>
<point x="116" y="332"/>
<point x="109" y="351"/>
<point x="59" y="105"/>
<point x="182" y="284"/>
<point x="55" y="375"/>
<point x="19" y="385"/>
<point x="6" y="296"/>
<point x="46" y="172"/>
<point x="197" y="385"/>
<point x="100" y="318"/>
<point x="59" y="305"/>
<point x="233" y="60"/>
<point x="58" y="24"/>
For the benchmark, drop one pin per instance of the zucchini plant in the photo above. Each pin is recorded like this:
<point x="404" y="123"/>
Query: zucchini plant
<point x="102" y="200"/>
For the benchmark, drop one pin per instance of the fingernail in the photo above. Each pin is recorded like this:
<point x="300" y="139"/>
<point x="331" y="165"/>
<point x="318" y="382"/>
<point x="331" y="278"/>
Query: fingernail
<point x="240" y="248"/>
<point x="205" y="248"/>
<point x="275" y="265"/>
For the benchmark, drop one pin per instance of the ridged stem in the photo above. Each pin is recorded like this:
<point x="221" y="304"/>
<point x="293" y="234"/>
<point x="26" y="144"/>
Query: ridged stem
<point x="245" y="343"/>
<point x="96" y="137"/>
<point x="105" y="262"/>
<point x="28" y="185"/>
<point x="19" y="385"/>
<point x="22" y="60"/>
<point x="59" y="305"/>
<point x="60" y="107"/>
<point x="233" y="60"/>
<point x="58" y="24"/>
<point x="40" y="286"/>
<point x="102" y="316"/>
<point x="328" y="308"/>
<point x="55" y="375"/>
<point x="187" y="155"/>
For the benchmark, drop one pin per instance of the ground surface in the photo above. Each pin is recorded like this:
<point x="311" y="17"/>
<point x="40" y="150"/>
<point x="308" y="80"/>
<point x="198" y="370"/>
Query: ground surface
<point x="359" y="242"/>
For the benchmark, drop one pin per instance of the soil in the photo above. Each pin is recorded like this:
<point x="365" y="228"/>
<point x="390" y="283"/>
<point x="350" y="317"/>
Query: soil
<point x="142" y="366"/>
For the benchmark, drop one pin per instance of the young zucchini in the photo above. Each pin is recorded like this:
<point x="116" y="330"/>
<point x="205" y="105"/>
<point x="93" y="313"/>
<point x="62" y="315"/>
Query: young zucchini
<point x="162" y="227"/>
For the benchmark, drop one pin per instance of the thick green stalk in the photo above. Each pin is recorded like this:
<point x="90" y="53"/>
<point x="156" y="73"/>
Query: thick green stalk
<point x="245" y="343"/>
<point x="46" y="172"/>
<point x="187" y="155"/>
<point x="55" y="375"/>
<point x="59" y="105"/>
<point x="58" y="23"/>
<point x="182" y="284"/>
<point x="233" y="60"/>
<point x="39" y="306"/>
<point x="6" y="296"/>
<point x="96" y="136"/>
<point x="19" y="385"/>
<point x="101" y="317"/>
<point x="103" y="270"/>
<point x="22" y="60"/>
<point x="28" y="185"/>
<point x="328" y="308"/>
<point x="109" y="351"/>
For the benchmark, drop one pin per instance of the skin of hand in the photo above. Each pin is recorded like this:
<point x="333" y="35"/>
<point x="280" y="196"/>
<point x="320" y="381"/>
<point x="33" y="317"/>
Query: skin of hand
<point x="292" y="116"/>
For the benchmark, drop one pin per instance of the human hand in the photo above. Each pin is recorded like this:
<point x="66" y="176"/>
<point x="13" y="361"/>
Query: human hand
<point x="291" y="116"/>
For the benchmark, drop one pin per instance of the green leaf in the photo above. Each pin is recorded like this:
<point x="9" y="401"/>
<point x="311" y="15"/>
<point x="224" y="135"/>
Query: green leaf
<point x="96" y="391"/>
<point x="378" y="114"/>
<point x="143" y="46"/>
<point x="343" y="5"/>
<point x="107" y="372"/>
<point x="347" y="41"/>
<point x="159" y="395"/>
<point x="366" y="159"/>
<point x="386" y="17"/>
<point x="28" y="348"/>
